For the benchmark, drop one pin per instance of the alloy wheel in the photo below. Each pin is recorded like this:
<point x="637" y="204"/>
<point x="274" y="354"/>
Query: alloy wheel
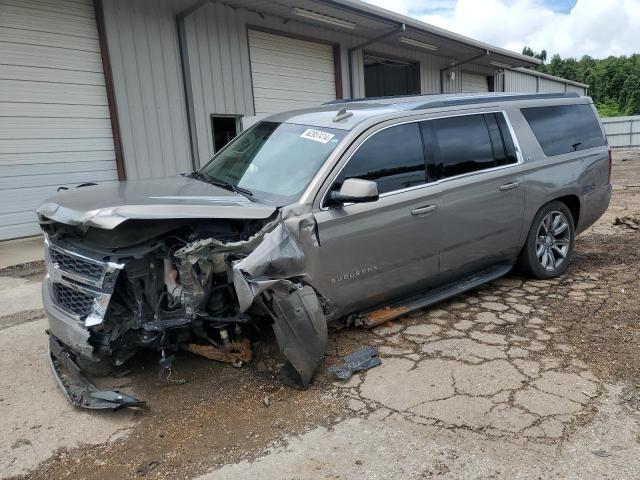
<point x="553" y="240"/>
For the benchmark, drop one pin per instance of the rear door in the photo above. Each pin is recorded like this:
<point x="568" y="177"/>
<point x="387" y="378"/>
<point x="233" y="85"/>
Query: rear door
<point x="475" y="161"/>
<point x="376" y="251"/>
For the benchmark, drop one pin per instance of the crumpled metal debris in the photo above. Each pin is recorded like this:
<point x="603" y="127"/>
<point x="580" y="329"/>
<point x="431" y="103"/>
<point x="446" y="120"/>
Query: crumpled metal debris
<point x="277" y="266"/>
<point x="358" y="361"/>
<point x="78" y="389"/>
<point x="301" y="331"/>
<point x="628" y="222"/>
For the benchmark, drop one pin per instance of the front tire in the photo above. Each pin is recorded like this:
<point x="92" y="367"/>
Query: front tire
<point x="549" y="246"/>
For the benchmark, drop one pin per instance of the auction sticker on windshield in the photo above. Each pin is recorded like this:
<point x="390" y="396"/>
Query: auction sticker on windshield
<point x="317" y="135"/>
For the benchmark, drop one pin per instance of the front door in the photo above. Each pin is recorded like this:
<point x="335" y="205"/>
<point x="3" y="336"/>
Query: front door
<point x="474" y="159"/>
<point x="373" y="252"/>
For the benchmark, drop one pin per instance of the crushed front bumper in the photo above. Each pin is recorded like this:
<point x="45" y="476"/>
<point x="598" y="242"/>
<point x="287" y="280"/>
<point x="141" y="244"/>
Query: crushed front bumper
<point x="67" y="339"/>
<point x="77" y="388"/>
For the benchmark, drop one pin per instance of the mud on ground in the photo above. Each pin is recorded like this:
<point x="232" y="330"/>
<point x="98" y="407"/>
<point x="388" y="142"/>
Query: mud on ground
<point x="527" y="365"/>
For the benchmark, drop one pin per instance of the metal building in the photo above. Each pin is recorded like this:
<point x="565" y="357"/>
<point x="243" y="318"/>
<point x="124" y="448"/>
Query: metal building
<point x="96" y="91"/>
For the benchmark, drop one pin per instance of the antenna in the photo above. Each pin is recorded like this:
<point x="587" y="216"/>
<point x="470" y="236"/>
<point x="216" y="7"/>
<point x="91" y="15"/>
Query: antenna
<point x="342" y="114"/>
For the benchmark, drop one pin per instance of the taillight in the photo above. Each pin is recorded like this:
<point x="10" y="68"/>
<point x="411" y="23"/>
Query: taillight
<point x="610" y="163"/>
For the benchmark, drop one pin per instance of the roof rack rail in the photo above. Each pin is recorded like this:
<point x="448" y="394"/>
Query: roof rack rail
<point x="488" y="99"/>
<point x="368" y="99"/>
<point x="437" y="100"/>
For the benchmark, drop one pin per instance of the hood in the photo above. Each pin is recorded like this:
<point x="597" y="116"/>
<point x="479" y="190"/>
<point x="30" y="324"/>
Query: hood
<point x="107" y="206"/>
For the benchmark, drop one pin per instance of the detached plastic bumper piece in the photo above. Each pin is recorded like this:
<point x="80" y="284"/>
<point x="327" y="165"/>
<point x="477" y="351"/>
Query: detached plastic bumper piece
<point x="77" y="388"/>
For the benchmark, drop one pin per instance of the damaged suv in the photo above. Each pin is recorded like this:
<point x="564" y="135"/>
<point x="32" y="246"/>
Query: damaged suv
<point x="352" y="213"/>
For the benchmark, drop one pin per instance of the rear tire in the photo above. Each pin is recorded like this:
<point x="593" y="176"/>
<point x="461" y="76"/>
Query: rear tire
<point x="549" y="246"/>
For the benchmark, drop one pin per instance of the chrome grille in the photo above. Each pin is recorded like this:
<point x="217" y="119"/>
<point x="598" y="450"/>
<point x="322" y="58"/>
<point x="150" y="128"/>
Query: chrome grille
<point x="73" y="301"/>
<point x="77" y="265"/>
<point x="79" y="285"/>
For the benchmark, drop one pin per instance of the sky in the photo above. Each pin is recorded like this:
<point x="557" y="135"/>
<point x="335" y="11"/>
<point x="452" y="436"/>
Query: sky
<point x="571" y="28"/>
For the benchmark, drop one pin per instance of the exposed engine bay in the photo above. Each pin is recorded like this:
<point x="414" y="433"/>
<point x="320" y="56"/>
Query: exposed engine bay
<point x="205" y="286"/>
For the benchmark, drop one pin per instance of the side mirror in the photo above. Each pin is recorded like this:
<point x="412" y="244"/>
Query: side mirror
<point x="355" y="190"/>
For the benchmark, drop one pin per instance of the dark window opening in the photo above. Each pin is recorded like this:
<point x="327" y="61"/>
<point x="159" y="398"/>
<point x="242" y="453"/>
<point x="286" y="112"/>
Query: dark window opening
<point x="564" y="128"/>
<point x="393" y="158"/>
<point x="385" y="76"/>
<point x="465" y="144"/>
<point x="225" y="129"/>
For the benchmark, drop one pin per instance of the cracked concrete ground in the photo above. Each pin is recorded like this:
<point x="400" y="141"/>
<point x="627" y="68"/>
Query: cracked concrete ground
<point x="520" y="378"/>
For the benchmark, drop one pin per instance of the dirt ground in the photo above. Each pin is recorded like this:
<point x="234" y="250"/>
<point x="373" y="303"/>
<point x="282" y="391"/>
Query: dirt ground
<point x="534" y="379"/>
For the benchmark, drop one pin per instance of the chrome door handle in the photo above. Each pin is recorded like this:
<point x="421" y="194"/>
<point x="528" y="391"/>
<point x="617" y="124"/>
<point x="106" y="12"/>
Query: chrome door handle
<point x="423" y="210"/>
<point x="509" y="186"/>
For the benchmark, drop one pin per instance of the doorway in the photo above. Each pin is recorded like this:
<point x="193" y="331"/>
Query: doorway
<point x="225" y="128"/>
<point x="384" y="76"/>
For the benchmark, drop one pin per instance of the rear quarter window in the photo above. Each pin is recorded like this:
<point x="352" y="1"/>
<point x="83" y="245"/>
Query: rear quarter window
<point x="564" y="128"/>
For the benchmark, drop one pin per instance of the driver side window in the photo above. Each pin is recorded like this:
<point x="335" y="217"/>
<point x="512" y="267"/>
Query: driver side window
<point x="393" y="158"/>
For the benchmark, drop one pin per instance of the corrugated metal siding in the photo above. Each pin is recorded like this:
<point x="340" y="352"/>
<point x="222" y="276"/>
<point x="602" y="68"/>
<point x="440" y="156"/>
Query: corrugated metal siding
<point x="474" y="82"/>
<point x="289" y="73"/>
<point x="220" y="66"/>
<point x="148" y="85"/>
<point x="149" y="91"/>
<point x="519" y="82"/>
<point x="550" y="86"/>
<point x="54" y="119"/>
<point x="577" y="89"/>
<point x="622" y="132"/>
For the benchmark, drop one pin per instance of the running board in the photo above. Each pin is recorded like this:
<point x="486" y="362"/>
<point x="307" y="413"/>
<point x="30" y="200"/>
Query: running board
<point x="398" y="309"/>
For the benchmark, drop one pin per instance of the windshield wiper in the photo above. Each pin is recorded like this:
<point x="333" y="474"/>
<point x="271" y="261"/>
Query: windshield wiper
<point x="198" y="175"/>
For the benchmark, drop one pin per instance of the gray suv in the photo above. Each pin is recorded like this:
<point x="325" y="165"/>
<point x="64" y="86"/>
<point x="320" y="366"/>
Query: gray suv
<point x="352" y="213"/>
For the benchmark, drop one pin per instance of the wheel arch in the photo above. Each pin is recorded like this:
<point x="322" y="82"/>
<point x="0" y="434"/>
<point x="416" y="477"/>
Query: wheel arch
<point x="573" y="204"/>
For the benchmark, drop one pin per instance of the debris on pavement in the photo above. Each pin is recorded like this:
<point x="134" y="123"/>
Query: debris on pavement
<point x="358" y="361"/>
<point x="600" y="452"/>
<point x="628" y="222"/>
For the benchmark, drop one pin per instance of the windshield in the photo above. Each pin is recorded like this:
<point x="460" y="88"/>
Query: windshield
<point x="274" y="161"/>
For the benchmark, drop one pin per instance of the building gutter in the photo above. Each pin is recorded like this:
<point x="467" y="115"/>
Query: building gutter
<point x="387" y="16"/>
<point x="395" y="31"/>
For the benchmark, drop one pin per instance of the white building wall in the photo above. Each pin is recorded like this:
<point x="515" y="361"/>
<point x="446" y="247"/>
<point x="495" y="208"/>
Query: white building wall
<point x="550" y="86"/>
<point x="519" y="82"/>
<point x="55" y="127"/>
<point x="148" y="86"/>
<point x="220" y="68"/>
<point x="143" y="46"/>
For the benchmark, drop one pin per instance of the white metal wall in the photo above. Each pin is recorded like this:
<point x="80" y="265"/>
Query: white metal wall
<point x="521" y="81"/>
<point x="54" y="120"/>
<point x="622" y="132"/>
<point x="473" y="82"/>
<point x="149" y="91"/>
<point x="148" y="80"/>
<point x="546" y="85"/>
<point x="288" y="73"/>
<point x="220" y="67"/>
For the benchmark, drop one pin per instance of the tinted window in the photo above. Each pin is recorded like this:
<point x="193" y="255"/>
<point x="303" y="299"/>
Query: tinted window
<point x="457" y="145"/>
<point x="507" y="140"/>
<point x="564" y="128"/>
<point x="393" y="158"/>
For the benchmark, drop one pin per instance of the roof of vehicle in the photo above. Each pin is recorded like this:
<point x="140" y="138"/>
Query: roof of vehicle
<point x="356" y="111"/>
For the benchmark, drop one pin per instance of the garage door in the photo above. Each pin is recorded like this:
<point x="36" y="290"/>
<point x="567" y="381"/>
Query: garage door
<point x="289" y="73"/>
<point x="54" y="119"/>
<point x="472" y="82"/>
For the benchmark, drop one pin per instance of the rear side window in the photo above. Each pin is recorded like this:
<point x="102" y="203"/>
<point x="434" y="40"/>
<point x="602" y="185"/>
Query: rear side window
<point x="393" y="158"/>
<point x="564" y="128"/>
<point x="466" y="144"/>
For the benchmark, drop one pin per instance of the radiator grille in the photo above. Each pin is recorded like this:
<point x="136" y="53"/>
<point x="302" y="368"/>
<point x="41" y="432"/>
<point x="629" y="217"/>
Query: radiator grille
<point x="73" y="301"/>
